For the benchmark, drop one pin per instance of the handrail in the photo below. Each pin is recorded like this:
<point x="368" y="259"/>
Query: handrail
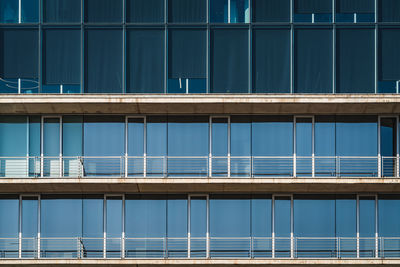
<point x="184" y="247"/>
<point x="200" y="167"/>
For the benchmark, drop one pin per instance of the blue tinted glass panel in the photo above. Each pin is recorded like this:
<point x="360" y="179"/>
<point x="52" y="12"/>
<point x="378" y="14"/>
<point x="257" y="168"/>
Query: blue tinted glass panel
<point x="114" y="216"/>
<point x="355" y="58"/>
<point x="9" y="216"/>
<point x="51" y="137"/>
<point x="135" y="136"/>
<point x="156" y="136"/>
<point x="145" y="61"/>
<point x="282" y="222"/>
<point x="61" y="216"/>
<point x="104" y="136"/>
<point x="103" y="11"/>
<point x="325" y="136"/>
<point x="388" y="137"/>
<point x="34" y="135"/>
<point x="261" y="216"/>
<point x="313" y="60"/>
<point x="92" y="221"/>
<point x="367" y="217"/>
<point x="271" y="10"/>
<point x="346" y="216"/>
<point x="188" y="136"/>
<point x="145" y="216"/>
<point x="219" y="11"/>
<point x="314" y="216"/>
<point x="29" y="11"/>
<point x="272" y="136"/>
<point x="9" y="11"/>
<point x="303" y="10"/>
<point x="145" y="11"/>
<point x="29" y="216"/>
<point x="229" y="47"/>
<point x="240" y="136"/>
<point x="389" y="215"/>
<point x="62" y="57"/>
<point x="229" y="216"/>
<point x="103" y="61"/>
<point x="356" y="136"/>
<point x="13" y="136"/>
<point x="62" y="11"/>
<point x="271" y="60"/>
<point x="72" y="135"/>
<point x="177" y="216"/>
<point x="304" y="137"/>
<point x="198" y="217"/>
<point x="219" y="138"/>
<point x="183" y="11"/>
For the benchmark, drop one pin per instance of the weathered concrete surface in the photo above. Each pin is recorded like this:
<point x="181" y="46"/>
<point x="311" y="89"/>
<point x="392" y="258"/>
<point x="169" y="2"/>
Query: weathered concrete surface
<point x="201" y="104"/>
<point x="205" y="262"/>
<point x="199" y="185"/>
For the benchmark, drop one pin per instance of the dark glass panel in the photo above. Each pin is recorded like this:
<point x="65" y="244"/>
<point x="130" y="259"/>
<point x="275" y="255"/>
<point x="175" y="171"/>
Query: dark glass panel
<point x="240" y="136"/>
<point x="183" y="11"/>
<point x="325" y="136"/>
<point x="9" y="218"/>
<point x="389" y="10"/>
<point x="355" y="6"/>
<point x="61" y="57"/>
<point x="346" y="216"/>
<point x="29" y="11"/>
<point x="239" y="11"/>
<point x="19" y="60"/>
<point x="59" y="11"/>
<point x="13" y="136"/>
<point x="271" y="10"/>
<point x="103" y="10"/>
<point x="145" y="61"/>
<point x="92" y="217"/>
<point x="282" y="226"/>
<point x="156" y="137"/>
<point x="135" y="136"/>
<point x="271" y="60"/>
<point x="229" y="61"/>
<point x="145" y="11"/>
<point x="261" y="212"/>
<point x="72" y="135"/>
<point x="367" y="217"/>
<point x="312" y="11"/>
<point x="103" y="61"/>
<point x="29" y="218"/>
<point x="388" y="218"/>
<point x="9" y="11"/>
<point x="355" y="66"/>
<point x="313" y="61"/>
<point x="219" y="137"/>
<point x="389" y="60"/>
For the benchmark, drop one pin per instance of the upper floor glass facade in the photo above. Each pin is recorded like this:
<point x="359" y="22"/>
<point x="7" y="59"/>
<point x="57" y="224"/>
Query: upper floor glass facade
<point x="199" y="46"/>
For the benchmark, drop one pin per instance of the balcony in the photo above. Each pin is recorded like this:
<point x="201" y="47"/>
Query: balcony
<point x="201" y="248"/>
<point x="199" y="167"/>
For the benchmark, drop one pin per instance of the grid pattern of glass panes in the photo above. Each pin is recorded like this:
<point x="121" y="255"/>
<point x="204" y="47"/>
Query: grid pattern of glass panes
<point x="199" y="46"/>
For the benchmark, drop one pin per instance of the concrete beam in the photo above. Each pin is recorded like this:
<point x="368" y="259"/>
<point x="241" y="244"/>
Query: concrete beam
<point x="200" y="185"/>
<point x="200" y="104"/>
<point x="203" y="262"/>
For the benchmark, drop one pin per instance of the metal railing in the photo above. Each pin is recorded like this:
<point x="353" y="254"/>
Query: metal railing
<point x="198" y="167"/>
<point x="212" y="247"/>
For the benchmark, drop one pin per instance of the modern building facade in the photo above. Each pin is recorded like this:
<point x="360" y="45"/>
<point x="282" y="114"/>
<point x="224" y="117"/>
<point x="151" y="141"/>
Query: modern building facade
<point x="199" y="132"/>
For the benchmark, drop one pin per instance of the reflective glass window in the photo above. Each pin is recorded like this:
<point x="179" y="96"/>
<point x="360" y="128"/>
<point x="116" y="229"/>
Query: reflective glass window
<point x="19" y="61"/>
<point x="9" y="10"/>
<point x="367" y="226"/>
<point x="282" y="226"/>
<point x="9" y="218"/>
<point x="271" y="10"/>
<point x="240" y="136"/>
<point x="229" y="61"/>
<point x="187" y="61"/>
<point x="313" y="60"/>
<point x="145" y="11"/>
<point x="114" y="226"/>
<point x="62" y="11"/>
<point x="145" y="61"/>
<point x="92" y="217"/>
<point x="261" y="216"/>
<point x="389" y="215"/>
<point x="103" y="11"/>
<point x="389" y="60"/>
<point x="355" y="67"/>
<point x="183" y="11"/>
<point x="177" y="207"/>
<point x="19" y="11"/>
<point x="29" y="11"/>
<point x="324" y="135"/>
<point x="388" y="10"/>
<point x="13" y="136"/>
<point x="103" y="61"/>
<point x="135" y="136"/>
<point x="312" y="10"/>
<point x="230" y="11"/>
<point x="346" y="216"/>
<point x="62" y="61"/>
<point x="156" y="145"/>
<point x="271" y="60"/>
<point x="72" y="135"/>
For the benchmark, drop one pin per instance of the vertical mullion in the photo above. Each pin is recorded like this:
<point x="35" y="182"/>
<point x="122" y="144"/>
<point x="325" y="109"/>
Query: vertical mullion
<point x="82" y="72"/>
<point x="250" y="69"/>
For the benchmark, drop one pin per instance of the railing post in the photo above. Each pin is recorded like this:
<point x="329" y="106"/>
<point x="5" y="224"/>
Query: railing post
<point x="104" y="246"/>
<point x="81" y="167"/>
<point x="358" y="246"/>
<point x="41" y="166"/>
<point x="123" y="246"/>
<point x="38" y="246"/>
<point x="376" y="246"/>
<point x="61" y="167"/>
<point x="144" y="166"/>
<point x="188" y="245"/>
<point x="379" y="166"/>
<point x="229" y="165"/>
<point x="207" y="245"/>
<point x="294" y="166"/>
<point x="126" y="166"/>
<point x="78" y="247"/>
<point x="273" y="245"/>
<point x="209" y="165"/>
<point x="313" y="165"/>
<point x="292" y="246"/>
<point x="20" y="245"/>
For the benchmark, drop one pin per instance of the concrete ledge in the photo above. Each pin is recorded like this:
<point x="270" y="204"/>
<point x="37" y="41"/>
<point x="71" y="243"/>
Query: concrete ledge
<point x="200" y="185"/>
<point x="201" y="104"/>
<point x="205" y="262"/>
